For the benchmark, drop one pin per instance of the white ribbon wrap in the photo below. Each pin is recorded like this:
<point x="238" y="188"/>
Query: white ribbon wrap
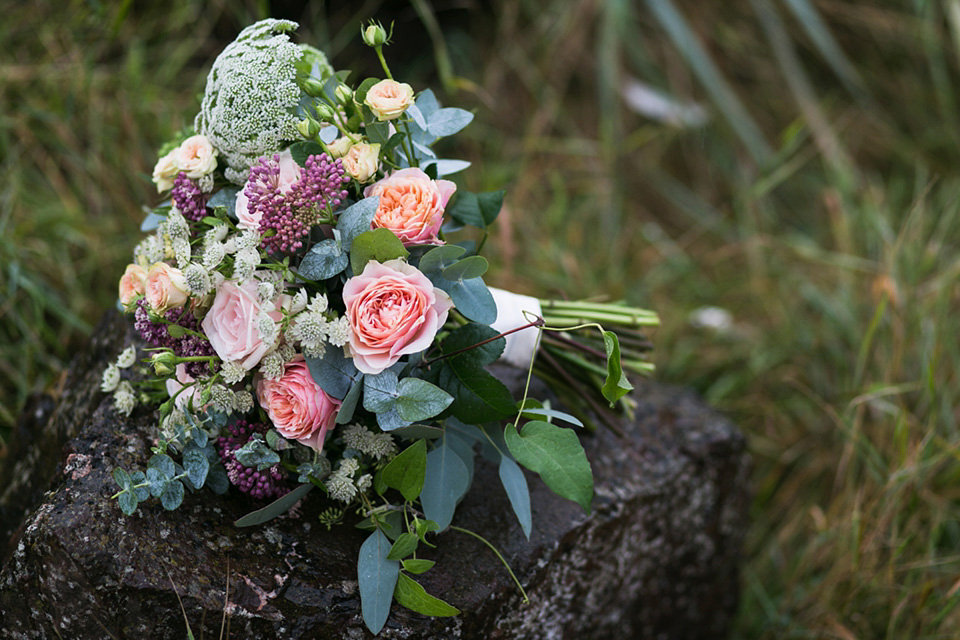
<point x="510" y="308"/>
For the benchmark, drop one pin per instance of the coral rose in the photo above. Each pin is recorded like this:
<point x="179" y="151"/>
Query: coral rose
<point x="388" y="99"/>
<point x="231" y="323"/>
<point x="165" y="288"/>
<point x="297" y="407"/>
<point x="411" y="205"/>
<point x="196" y="157"/>
<point x="392" y="310"/>
<point x="133" y="283"/>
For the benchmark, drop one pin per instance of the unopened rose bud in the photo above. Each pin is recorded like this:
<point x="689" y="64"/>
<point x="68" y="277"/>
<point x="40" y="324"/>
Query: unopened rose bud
<point x="308" y="128"/>
<point x="343" y="93"/>
<point x="324" y="112"/>
<point x="164" y="363"/>
<point x="312" y="87"/>
<point x="339" y="147"/>
<point x="374" y="35"/>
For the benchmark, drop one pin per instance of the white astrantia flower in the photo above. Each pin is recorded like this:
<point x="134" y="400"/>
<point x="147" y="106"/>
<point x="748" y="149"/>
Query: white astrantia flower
<point x="198" y="279"/>
<point x="124" y="398"/>
<point x="230" y="245"/>
<point x="355" y="436"/>
<point x="379" y="445"/>
<point x="232" y="372"/>
<point x="266" y="327"/>
<point x="110" y="379"/>
<point x="181" y="250"/>
<point x="148" y="251"/>
<point x="127" y="357"/>
<point x="247" y="240"/>
<point x="266" y="292"/>
<point x="244" y="400"/>
<point x="348" y="467"/>
<point x="222" y="399"/>
<point x="271" y="366"/>
<point x="319" y="303"/>
<point x="299" y="302"/>
<point x="338" y="332"/>
<point x="217" y="233"/>
<point x="176" y="225"/>
<point x="212" y="256"/>
<point x="245" y="263"/>
<point x="205" y="182"/>
<point x="310" y="330"/>
<point x="341" y="488"/>
<point x="364" y="482"/>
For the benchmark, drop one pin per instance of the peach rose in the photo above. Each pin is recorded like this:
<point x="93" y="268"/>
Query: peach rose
<point x="388" y="99"/>
<point x="289" y="174"/>
<point x="165" y="171"/>
<point x="165" y="288"/>
<point x="411" y="205"/>
<point x="196" y="157"/>
<point x="297" y="407"/>
<point x="392" y="310"/>
<point x="362" y="161"/>
<point x="231" y="323"/>
<point x="133" y="283"/>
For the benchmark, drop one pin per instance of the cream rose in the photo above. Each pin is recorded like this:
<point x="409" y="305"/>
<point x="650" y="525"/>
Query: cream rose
<point x="231" y="323"/>
<point x="196" y="157"/>
<point x="411" y="205"/>
<point x="133" y="283"/>
<point x="388" y="99"/>
<point x="165" y="288"/>
<point x="339" y="147"/>
<point x="297" y="407"/>
<point x="362" y="161"/>
<point x="392" y="309"/>
<point x="165" y="171"/>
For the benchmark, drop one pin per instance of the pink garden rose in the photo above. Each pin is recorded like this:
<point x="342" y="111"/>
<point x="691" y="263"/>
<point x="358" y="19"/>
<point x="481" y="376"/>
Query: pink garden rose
<point x="289" y="174"/>
<point x="411" y="205"/>
<point x="297" y="407"/>
<point x="231" y="323"/>
<point x="183" y="379"/>
<point x="393" y="309"/>
<point x="133" y="283"/>
<point x="165" y="288"/>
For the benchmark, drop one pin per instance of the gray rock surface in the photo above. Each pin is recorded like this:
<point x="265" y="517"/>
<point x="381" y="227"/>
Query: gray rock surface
<point x="657" y="557"/>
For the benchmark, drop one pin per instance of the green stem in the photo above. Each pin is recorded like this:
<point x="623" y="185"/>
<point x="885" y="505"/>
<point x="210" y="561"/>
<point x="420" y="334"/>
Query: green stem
<point x="408" y="142"/>
<point x="526" y="600"/>
<point x="559" y="316"/>
<point x="383" y="62"/>
<point x="597" y="306"/>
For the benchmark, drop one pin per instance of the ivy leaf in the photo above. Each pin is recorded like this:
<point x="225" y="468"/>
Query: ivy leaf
<point x="379" y="244"/>
<point x="356" y="219"/>
<point x="275" y="508"/>
<point x="405" y="545"/>
<point x="334" y="372"/>
<point x="515" y="484"/>
<point x="377" y="578"/>
<point x="557" y="456"/>
<point x="445" y="482"/>
<point x="420" y="400"/>
<point x="172" y="495"/>
<point x="324" y="260"/>
<point x="616" y="385"/>
<point x="417" y="565"/>
<point x="411" y="595"/>
<point x="448" y="121"/>
<point x="406" y="472"/>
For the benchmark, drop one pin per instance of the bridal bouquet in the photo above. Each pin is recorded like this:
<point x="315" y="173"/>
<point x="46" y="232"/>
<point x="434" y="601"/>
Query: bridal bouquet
<point x="309" y="324"/>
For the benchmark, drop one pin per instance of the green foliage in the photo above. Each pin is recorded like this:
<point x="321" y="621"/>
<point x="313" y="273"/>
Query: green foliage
<point x="411" y="595"/>
<point x="557" y="456"/>
<point x="278" y="507"/>
<point x="379" y="245"/>
<point x="377" y="577"/>
<point x="405" y="473"/>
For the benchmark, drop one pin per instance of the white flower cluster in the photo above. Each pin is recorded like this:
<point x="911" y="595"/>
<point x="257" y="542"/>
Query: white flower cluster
<point x="110" y="381"/>
<point x="314" y="326"/>
<point x="375" y="445"/>
<point x="229" y="401"/>
<point x="343" y="486"/>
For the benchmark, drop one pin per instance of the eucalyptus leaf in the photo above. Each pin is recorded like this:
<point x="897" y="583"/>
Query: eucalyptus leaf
<point x="275" y="508"/>
<point x="436" y="260"/>
<point x="515" y="484"/>
<point x="324" y="260"/>
<point x="128" y="502"/>
<point x="158" y="482"/>
<point x="555" y="453"/>
<point x="217" y="480"/>
<point x="616" y="385"/>
<point x="151" y="222"/>
<point x="463" y="448"/>
<point x="380" y="392"/>
<point x="197" y="466"/>
<point x="349" y="404"/>
<point x="472" y="299"/>
<point x="334" y="372"/>
<point x="446" y="167"/>
<point x="391" y="420"/>
<point x="448" y="121"/>
<point x="406" y="472"/>
<point x="411" y="595"/>
<point x="226" y="198"/>
<point x="172" y="496"/>
<point x="467" y="269"/>
<point x="446" y="480"/>
<point x="139" y="477"/>
<point x="414" y="112"/>
<point x="122" y="478"/>
<point x="162" y="463"/>
<point x="379" y="245"/>
<point x="424" y="151"/>
<point x="377" y="579"/>
<point x="427" y="102"/>
<point x="356" y="219"/>
<point x="419" y="400"/>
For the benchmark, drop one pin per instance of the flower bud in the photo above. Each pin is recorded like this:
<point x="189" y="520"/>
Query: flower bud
<point x="324" y="112"/>
<point x="311" y="86"/>
<point x="339" y="147"/>
<point x="343" y="93"/>
<point x="374" y="35"/>
<point x="308" y="128"/>
<point x="164" y="363"/>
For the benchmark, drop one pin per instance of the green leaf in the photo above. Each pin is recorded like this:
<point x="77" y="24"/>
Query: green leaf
<point x="436" y="260"/>
<point x="515" y="484"/>
<point x="158" y="481"/>
<point x="557" y="456"/>
<point x="379" y="244"/>
<point x="172" y="495"/>
<point x="256" y="453"/>
<point x="122" y="478"/>
<point x="349" y="404"/>
<point x="411" y="595"/>
<point x="471" y="297"/>
<point x="334" y="372"/>
<point x="616" y="385"/>
<point x="445" y="482"/>
<point x="423" y="528"/>
<point x="476" y="209"/>
<point x="377" y="578"/>
<point x="303" y="150"/>
<point x="470" y="335"/>
<point x="380" y="392"/>
<point x="324" y="260"/>
<point x="139" y="477"/>
<point x="417" y="565"/>
<point x="422" y="431"/>
<point x="466" y="269"/>
<point x="356" y="219"/>
<point x="378" y="132"/>
<point x="162" y="463"/>
<point x="391" y="523"/>
<point x="448" y="121"/>
<point x="420" y="400"/>
<point x="477" y="396"/>
<point x="406" y="544"/>
<point x="552" y="413"/>
<point x="405" y="472"/>
<point x="197" y="466"/>
<point x="128" y="502"/>
<point x="217" y="480"/>
<point x="275" y="508"/>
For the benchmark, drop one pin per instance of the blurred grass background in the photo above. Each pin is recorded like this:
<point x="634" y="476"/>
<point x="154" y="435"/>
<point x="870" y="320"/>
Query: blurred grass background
<point x="794" y="162"/>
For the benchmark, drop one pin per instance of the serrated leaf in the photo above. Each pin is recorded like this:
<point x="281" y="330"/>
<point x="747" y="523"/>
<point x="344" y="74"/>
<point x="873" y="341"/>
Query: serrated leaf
<point x="324" y="260"/>
<point x="275" y="508"/>
<point x="515" y="484"/>
<point x="448" y="121"/>
<point x="303" y="150"/>
<point x="333" y="372"/>
<point x="406" y="544"/>
<point x="128" y="502"/>
<point x="162" y="463"/>
<point x="417" y="565"/>
<point x="446" y="480"/>
<point x="557" y="456"/>
<point x="172" y="496"/>
<point x="419" y="400"/>
<point x="197" y="466"/>
<point x="377" y="578"/>
<point x="122" y="478"/>
<point x="467" y="269"/>
<point x="356" y="219"/>
<point x="378" y="244"/>
<point x="411" y="595"/>
<point x="349" y="404"/>
<point x="406" y="472"/>
<point x="616" y="385"/>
